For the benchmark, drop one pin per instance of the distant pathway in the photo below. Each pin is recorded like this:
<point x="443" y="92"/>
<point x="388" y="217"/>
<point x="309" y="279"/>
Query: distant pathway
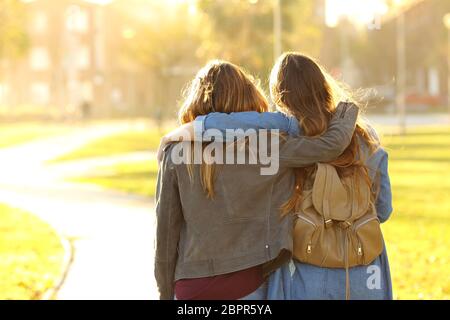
<point x="112" y="233"/>
<point x="412" y="120"/>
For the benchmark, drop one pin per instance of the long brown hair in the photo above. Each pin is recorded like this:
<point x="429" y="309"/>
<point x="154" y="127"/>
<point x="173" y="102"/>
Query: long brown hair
<point x="301" y="87"/>
<point x="219" y="86"/>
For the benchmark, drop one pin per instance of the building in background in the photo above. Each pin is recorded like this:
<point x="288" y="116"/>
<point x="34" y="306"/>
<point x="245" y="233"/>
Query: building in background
<point x="365" y="54"/>
<point x="64" y="64"/>
<point x="426" y="57"/>
<point x="134" y="57"/>
<point x="73" y="60"/>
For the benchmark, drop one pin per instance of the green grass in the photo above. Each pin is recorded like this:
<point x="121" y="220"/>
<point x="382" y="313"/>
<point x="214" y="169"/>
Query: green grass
<point x="30" y="113"/>
<point x="133" y="177"/>
<point x="130" y="141"/>
<point x="30" y="255"/>
<point x="17" y="133"/>
<point x="418" y="233"/>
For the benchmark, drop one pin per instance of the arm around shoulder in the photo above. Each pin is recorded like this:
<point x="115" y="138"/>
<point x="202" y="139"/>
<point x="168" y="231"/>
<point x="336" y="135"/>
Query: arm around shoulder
<point x="305" y="151"/>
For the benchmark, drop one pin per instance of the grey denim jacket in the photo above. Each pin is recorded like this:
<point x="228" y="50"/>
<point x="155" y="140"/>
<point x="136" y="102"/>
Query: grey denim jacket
<point x="241" y="226"/>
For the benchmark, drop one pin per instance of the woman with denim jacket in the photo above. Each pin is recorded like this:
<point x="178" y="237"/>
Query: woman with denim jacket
<point x="306" y="94"/>
<point x="219" y="224"/>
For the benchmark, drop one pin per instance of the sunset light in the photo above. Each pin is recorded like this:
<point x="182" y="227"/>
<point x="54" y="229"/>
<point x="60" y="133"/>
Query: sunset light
<point x="357" y="11"/>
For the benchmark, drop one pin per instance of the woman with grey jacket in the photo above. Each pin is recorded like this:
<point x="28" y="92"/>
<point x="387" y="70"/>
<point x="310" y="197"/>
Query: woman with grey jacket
<point x="219" y="230"/>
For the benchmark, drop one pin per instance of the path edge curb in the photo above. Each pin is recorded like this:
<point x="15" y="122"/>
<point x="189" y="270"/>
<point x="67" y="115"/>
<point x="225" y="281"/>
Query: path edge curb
<point x="68" y="258"/>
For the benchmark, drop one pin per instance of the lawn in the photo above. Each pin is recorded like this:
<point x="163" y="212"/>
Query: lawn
<point x="30" y="255"/>
<point x="125" y="142"/>
<point x="17" y="133"/>
<point x="132" y="177"/>
<point x="418" y="233"/>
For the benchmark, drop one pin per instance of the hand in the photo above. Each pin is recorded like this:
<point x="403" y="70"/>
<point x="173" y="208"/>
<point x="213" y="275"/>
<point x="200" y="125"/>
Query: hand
<point x="346" y="109"/>
<point x="184" y="132"/>
<point x="162" y="145"/>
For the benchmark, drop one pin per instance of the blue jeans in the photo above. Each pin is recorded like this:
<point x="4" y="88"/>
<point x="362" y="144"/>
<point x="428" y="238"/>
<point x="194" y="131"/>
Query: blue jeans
<point x="258" y="294"/>
<point x="299" y="281"/>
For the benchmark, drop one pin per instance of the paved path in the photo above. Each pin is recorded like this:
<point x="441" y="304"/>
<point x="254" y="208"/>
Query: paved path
<point x="112" y="233"/>
<point x="87" y="167"/>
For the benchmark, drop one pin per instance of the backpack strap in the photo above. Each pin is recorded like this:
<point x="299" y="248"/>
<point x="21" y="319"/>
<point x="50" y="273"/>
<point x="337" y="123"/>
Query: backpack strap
<point x="327" y="191"/>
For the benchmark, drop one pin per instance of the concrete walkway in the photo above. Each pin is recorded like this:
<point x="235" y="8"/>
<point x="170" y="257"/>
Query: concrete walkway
<point x="112" y="233"/>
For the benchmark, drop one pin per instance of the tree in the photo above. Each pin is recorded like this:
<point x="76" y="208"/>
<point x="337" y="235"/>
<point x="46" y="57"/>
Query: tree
<point x="242" y="31"/>
<point x="161" y="42"/>
<point x="13" y="36"/>
<point x="303" y="26"/>
<point x="167" y="41"/>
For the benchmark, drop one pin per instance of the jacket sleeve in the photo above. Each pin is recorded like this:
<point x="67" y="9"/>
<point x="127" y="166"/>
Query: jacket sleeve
<point x="384" y="197"/>
<point x="305" y="151"/>
<point x="169" y="219"/>
<point x="244" y="121"/>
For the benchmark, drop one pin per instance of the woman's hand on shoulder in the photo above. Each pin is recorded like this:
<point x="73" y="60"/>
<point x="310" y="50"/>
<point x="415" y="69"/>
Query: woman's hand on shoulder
<point x="184" y="132"/>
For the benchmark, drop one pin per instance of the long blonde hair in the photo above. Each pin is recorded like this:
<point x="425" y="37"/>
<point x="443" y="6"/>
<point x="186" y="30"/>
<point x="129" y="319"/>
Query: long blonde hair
<point x="301" y="87"/>
<point x="219" y="86"/>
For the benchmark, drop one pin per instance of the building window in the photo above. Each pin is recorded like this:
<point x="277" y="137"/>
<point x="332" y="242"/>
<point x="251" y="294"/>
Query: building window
<point x="86" y="91"/>
<point x="433" y="81"/>
<point x="77" y="20"/>
<point x="83" y="58"/>
<point x="3" y="93"/>
<point x="39" y="59"/>
<point x="40" y="22"/>
<point x="40" y="93"/>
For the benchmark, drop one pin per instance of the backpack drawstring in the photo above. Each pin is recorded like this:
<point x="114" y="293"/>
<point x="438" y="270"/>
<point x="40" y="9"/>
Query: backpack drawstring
<point x="346" y="228"/>
<point x="347" y="276"/>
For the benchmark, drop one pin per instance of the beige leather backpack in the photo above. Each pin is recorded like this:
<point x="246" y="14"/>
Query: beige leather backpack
<point x="337" y="224"/>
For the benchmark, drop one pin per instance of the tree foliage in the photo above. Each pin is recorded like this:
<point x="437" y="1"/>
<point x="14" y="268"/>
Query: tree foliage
<point x="242" y="31"/>
<point x="13" y="34"/>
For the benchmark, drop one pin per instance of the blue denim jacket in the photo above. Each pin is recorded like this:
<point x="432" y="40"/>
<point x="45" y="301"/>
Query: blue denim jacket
<point x="245" y="120"/>
<point x="301" y="281"/>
